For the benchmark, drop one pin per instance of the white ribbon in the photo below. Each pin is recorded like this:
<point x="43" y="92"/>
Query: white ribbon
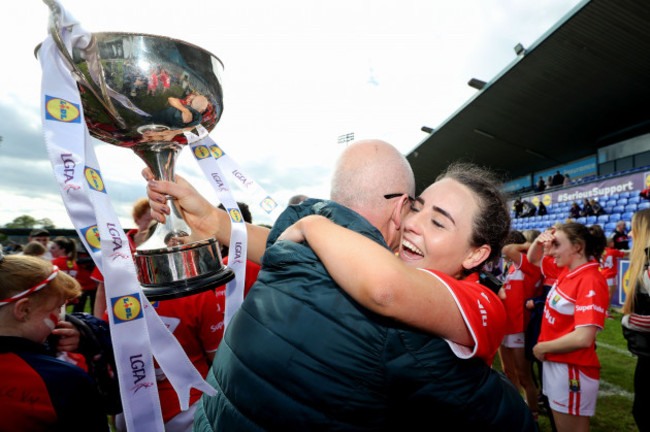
<point x="205" y="153"/>
<point x="136" y="329"/>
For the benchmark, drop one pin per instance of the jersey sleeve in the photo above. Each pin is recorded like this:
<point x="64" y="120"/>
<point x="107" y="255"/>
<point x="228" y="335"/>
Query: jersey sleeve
<point x="483" y="314"/>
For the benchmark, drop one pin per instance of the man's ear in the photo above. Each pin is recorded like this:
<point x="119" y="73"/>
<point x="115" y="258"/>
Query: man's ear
<point x="399" y="211"/>
<point x="476" y="256"/>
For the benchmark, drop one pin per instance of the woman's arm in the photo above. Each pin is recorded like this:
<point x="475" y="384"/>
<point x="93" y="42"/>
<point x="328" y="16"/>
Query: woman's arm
<point x="378" y="280"/>
<point x="536" y="249"/>
<point x="513" y="252"/>
<point x="580" y="338"/>
<point x="203" y="218"/>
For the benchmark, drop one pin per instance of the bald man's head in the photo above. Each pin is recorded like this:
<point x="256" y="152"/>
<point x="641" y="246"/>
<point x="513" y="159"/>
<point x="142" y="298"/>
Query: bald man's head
<point x="365" y="172"/>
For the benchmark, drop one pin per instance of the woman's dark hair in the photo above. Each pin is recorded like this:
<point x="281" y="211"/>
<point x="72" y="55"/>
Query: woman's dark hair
<point x="491" y="223"/>
<point x="591" y="238"/>
<point x="68" y="245"/>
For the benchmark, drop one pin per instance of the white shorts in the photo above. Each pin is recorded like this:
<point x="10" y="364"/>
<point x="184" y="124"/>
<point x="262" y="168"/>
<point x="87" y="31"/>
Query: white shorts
<point x="569" y="389"/>
<point x="515" y="340"/>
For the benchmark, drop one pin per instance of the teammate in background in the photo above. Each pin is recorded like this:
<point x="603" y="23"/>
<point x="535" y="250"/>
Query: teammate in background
<point x="636" y="322"/>
<point x="34" y="249"/>
<point x="42" y="236"/>
<point x="609" y="267"/>
<point x="574" y="313"/>
<point x="40" y="393"/>
<point x="64" y="255"/>
<point x="522" y="282"/>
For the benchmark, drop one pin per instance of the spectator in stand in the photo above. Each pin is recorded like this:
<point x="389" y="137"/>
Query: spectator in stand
<point x="586" y="209"/>
<point x="558" y="179"/>
<point x="34" y="249"/>
<point x="42" y="236"/>
<point x="609" y="266"/>
<point x="40" y="392"/>
<point x="541" y="209"/>
<point x="596" y="208"/>
<point x="621" y="240"/>
<point x="541" y="185"/>
<point x="549" y="182"/>
<point x="574" y="211"/>
<point x="64" y="255"/>
<point x="636" y="321"/>
<point x="567" y="180"/>
<point x="574" y="313"/>
<point x="518" y="206"/>
<point x="529" y="209"/>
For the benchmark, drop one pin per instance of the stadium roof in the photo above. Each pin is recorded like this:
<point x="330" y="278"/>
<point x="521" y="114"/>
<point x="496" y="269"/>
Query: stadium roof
<point x="585" y="84"/>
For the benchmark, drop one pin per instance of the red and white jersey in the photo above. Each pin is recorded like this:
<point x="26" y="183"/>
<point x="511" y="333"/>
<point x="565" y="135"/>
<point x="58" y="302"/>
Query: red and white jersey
<point x="579" y="298"/>
<point x="550" y="270"/>
<point x="520" y="285"/>
<point x="483" y="313"/>
<point x="66" y="265"/>
<point x="609" y="264"/>
<point x="197" y="326"/>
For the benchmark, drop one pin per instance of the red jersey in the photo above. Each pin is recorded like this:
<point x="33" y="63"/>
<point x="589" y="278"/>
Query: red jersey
<point x="550" y="270"/>
<point x="66" y="265"/>
<point x="579" y="298"/>
<point x="609" y="264"/>
<point x="196" y="324"/>
<point x="483" y="313"/>
<point x="521" y="284"/>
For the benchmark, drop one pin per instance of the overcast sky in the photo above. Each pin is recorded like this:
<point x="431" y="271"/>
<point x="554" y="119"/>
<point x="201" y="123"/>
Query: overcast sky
<point x="298" y="73"/>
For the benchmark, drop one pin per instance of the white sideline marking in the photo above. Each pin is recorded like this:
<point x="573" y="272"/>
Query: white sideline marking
<point x="614" y="348"/>
<point x="609" y="389"/>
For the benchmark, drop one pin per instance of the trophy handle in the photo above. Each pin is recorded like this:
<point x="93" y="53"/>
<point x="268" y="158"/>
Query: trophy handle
<point x="94" y="63"/>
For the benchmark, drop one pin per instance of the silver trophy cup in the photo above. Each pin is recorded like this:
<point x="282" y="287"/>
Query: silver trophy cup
<point x="142" y="92"/>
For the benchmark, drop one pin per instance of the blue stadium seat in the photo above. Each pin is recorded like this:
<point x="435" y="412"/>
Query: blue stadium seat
<point x="621" y="202"/>
<point x="613" y="197"/>
<point x="618" y="209"/>
<point x="627" y="216"/>
<point x="630" y="208"/>
<point x="634" y="200"/>
<point x="614" y="217"/>
<point x="603" y="219"/>
<point x="625" y="194"/>
<point x="591" y="220"/>
<point x="582" y="220"/>
<point x="643" y="205"/>
<point x="610" y="226"/>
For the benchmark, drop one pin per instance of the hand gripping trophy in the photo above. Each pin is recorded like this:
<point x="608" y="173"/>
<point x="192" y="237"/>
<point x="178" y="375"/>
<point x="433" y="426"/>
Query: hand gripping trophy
<point x="143" y="92"/>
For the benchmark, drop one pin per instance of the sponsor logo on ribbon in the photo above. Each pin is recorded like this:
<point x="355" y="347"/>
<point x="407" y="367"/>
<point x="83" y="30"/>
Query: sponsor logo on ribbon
<point x="268" y="204"/>
<point x="139" y="373"/>
<point x="216" y="151"/>
<point x="91" y="234"/>
<point x="58" y="109"/>
<point x="94" y="179"/>
<point x="201" y="152"/>
<point x="126" y="308"/>
<point x="235" y="216"/>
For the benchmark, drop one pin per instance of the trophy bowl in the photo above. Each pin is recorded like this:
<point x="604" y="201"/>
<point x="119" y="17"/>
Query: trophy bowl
<point x="143" y="92"/>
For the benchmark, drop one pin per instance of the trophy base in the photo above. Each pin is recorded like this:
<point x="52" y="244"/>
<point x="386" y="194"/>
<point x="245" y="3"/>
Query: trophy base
<point x="180" y="271"/>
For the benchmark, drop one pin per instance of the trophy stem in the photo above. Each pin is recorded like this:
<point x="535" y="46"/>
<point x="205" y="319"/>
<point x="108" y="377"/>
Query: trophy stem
<point x="160" y="157"/>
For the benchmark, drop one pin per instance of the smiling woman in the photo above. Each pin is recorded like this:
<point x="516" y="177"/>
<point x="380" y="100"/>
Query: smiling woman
<point x="453" y="228"/>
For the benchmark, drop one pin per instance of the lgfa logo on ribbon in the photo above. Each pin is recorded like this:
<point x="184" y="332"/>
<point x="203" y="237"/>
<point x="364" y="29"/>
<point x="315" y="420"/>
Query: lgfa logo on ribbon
<point x="58" y="109"/>
<point x="126" y="308"/>
<point x="94" y="179"/>
<point x="91" y="234"/>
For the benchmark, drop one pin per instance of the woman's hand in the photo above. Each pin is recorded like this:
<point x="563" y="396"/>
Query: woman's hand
<point x="68" y="336"/>
<point x="195" y="209"/>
